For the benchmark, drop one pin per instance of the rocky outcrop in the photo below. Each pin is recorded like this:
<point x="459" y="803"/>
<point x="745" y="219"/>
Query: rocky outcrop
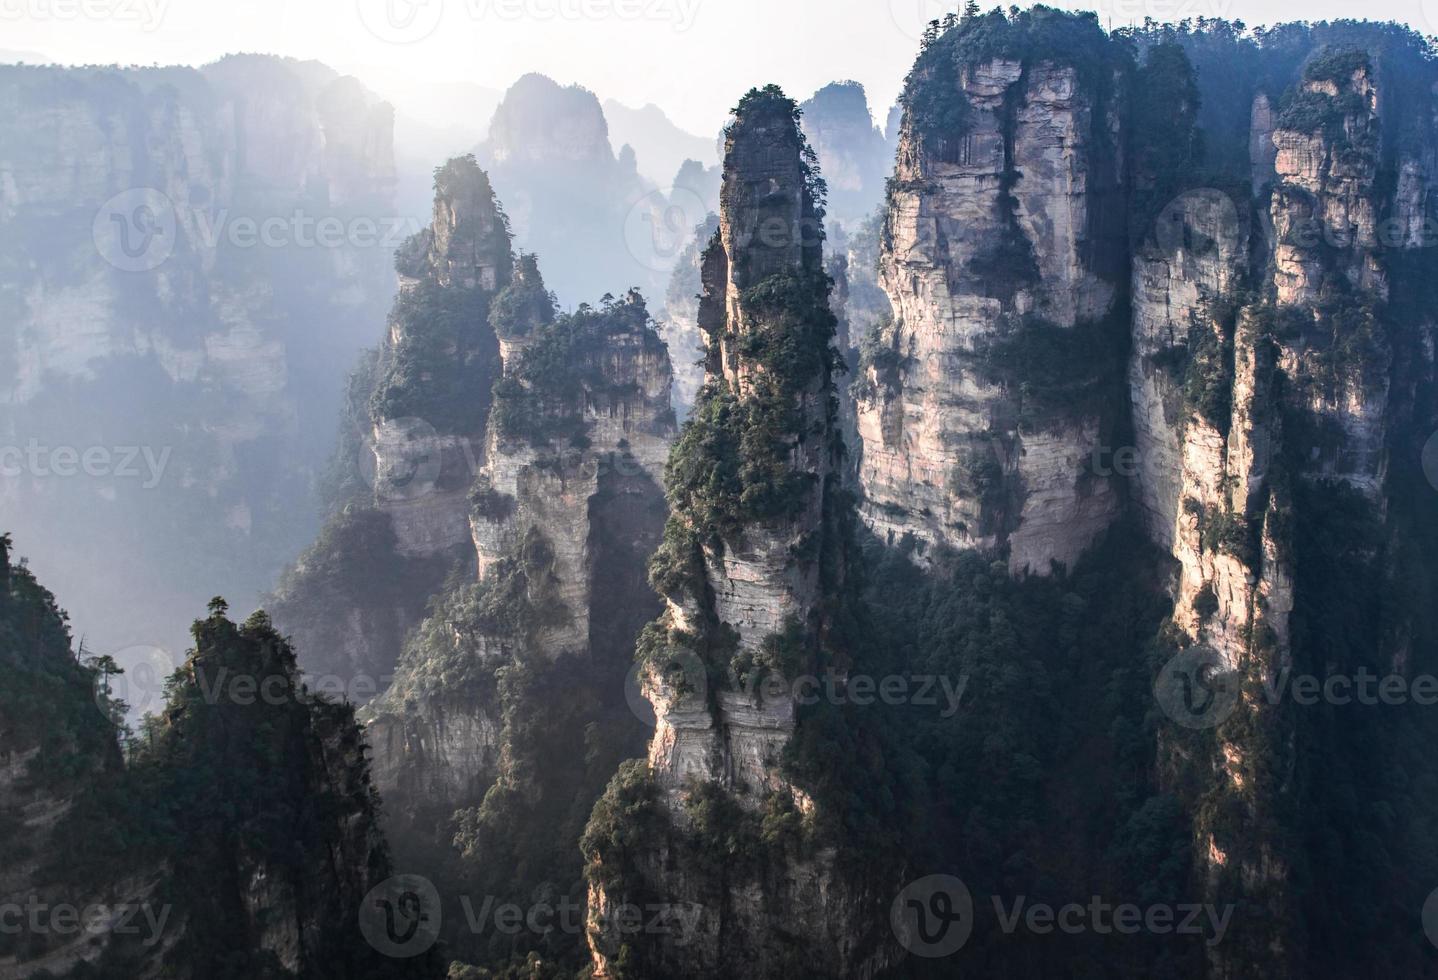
<point x="1262" y="386"/>
<point x="582" y="418"/>
<point x="1326" y="242"/>
<point x="627" y="425"/>
<point x="745" y="562"/>
<point x="416" y="421"/>
<point x="189" y="252"/>
<point x="851" y="151"/>
<point x="1204" y="378"/>
<point x="426" y="431"/>
<point x="574" y="197"/>
<point x="1003" y="238"/>
<point x="250" y="822"/>
<point x="57" y="749"/>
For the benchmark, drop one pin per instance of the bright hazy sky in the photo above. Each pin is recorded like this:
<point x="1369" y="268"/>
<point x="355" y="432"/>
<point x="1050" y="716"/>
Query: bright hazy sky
<point x="693" y="58"/>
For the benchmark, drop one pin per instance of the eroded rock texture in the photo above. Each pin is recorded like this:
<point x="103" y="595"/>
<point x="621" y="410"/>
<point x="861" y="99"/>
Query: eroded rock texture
<point x="187" y="254"/>
<point x="414" y="439"/>
<point x="1003" y="238"/>
<point x="560" y="518"/>
<point x="753" y="547"/>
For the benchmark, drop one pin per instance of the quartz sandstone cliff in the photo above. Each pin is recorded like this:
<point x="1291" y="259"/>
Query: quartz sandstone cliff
<point x="132" y="305"/>
<point x="753" y="549"/>
<point x="566" y="453"/>
<point x="1001" y="232"/>
<point x="413" y="441"/>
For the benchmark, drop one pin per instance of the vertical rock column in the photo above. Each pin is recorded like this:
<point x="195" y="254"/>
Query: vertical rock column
<point x="754" y="548"/>
<point x="1002" y="253"/>
<point x="426" y="445"/>
<point x="768" y="412"/>
<point x="583" y="410"/>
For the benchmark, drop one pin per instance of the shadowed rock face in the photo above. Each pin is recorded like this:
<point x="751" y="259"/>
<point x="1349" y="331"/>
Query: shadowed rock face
<point x="240" y="833"/>
<point x="1211" y="474"/>
<point x="1265" y="375"/>
<point x="560" y="519"/>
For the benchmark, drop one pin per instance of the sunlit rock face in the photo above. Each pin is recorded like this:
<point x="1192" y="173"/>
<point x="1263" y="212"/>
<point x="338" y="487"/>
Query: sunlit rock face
<point x="1279" y="354"/>
<point x="1214" y="374"/>
<point x="1004" y="230"/>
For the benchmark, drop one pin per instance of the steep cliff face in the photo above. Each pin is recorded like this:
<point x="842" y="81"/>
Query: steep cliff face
<point x="56" y="752"/>
<point x="277" y="864"/>
<point x="523" y="660"/>
<point x="431" y="397"/>
<point x="187" y="253"/>
<point x="240" y="833"/>
<point x="753" y="552"/>
<point x="581" y="421"/>
<point x="681" y="318"/>
<point x="415" y="429"/>
<point x="575" y="198"/>
<point x="852" y="153"/>
<point x="1277" y="383"/>
<point x="1002" y="256"/>
<point x="1258" y="356"/>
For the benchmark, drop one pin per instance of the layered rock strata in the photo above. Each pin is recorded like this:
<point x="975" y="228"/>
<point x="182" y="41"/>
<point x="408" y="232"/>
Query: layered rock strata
<point x="1003" y="236"/>
<point x="751" y="550"/>
<point x="580" y="428"/>
<point x="415" y="440"/>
